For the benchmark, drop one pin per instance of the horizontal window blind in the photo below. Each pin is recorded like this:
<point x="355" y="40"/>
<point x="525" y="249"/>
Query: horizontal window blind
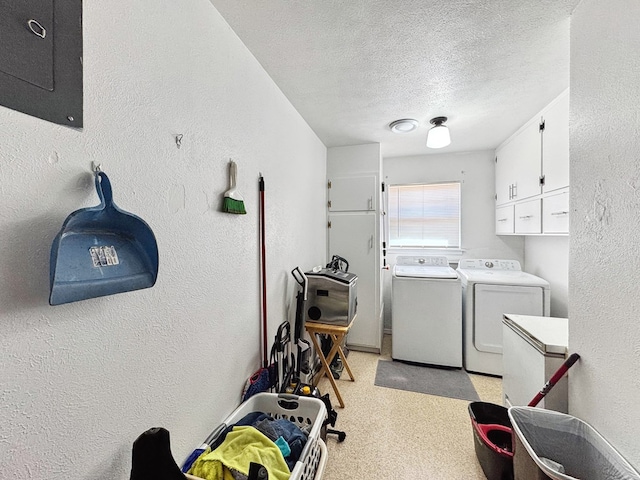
<point x="424" y="215"/>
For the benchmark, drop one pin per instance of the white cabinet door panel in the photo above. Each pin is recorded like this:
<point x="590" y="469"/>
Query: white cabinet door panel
<point x="529" y="162"/>
<point x="555" y="213"/>
<point x="505" y="176"/>
<point x="354" y="237"/>
<point x="504" y="220"/>
<point x="555" y="145"/>
<point x="528" y="217"/>
<point x="352" y="193"/>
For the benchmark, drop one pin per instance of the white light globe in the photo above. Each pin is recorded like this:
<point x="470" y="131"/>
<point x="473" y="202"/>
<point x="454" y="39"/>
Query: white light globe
<point x="438" y="137"/>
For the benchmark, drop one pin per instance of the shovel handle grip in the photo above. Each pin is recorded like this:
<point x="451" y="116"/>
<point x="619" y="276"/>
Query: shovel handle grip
<point x="103" y="187"/>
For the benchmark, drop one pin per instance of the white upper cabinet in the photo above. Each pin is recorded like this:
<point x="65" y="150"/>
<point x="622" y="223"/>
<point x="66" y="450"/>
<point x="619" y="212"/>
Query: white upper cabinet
<point x="555" y="145"/>
<point x="533" y="164"/>
<point x="352" y="193"/>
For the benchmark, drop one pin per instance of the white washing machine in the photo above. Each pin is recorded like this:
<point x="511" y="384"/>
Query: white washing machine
<point x="426" y="314"/>
<point x="491" y="288"/>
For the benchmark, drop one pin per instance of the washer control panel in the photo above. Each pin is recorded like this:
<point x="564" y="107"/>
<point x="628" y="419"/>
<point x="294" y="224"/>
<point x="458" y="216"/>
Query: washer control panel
<point x="428" y="261"/>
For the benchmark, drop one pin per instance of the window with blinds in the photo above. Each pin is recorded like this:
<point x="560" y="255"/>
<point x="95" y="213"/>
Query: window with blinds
<point x="425" y="216"/>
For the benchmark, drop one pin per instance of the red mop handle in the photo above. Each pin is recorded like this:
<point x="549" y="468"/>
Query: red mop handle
<point x="568" y="363"/>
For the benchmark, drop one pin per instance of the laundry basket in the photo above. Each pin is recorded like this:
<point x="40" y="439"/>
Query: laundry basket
<point x="322" y="461"/>
<point x="307" y="413"/>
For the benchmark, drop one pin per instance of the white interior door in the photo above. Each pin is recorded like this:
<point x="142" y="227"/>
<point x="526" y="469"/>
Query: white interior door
<point x="492" y="302"/>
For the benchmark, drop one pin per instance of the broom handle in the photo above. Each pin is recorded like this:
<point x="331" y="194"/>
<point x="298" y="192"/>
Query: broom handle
<point x="568" y="363"/>
<point x="264" y="275"/>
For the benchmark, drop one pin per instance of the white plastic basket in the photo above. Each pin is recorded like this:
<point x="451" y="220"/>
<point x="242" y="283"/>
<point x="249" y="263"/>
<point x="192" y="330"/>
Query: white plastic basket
<point x="323" y="460"/>
<point x="307" y="413"/>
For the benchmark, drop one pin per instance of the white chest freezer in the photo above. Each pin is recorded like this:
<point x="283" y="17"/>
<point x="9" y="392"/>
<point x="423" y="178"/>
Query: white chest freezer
<point x="534" y="348"/>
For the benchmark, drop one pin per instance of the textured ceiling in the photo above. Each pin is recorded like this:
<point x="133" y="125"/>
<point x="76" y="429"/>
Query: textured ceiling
<point x="350" y="67"/>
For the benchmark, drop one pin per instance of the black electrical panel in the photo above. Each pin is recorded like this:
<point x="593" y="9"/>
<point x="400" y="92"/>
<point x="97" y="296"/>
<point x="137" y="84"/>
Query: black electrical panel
<point x="41" y="59"/>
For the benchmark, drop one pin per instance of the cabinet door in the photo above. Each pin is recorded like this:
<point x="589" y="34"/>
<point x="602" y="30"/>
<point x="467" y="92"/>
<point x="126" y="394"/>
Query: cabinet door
<point x="504" y="220"/>
<point x="354" y="237"/>
<point x="528" y="217"/>
<point x="555" y="145"/>
<point x="527" y="148"/>
<point x="504" y="174"/>
<point x="555" y="213"/>
<point x="352" y="193"/>
<point x="519" y="165"/>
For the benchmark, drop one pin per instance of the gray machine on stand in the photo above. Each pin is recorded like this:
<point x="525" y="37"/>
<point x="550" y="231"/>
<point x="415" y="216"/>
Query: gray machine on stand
<point x="332" y="300"/>
<point x="332" y="297"/>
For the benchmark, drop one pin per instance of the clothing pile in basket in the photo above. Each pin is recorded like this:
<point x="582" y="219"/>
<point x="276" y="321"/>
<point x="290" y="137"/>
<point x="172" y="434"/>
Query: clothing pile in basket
<point x="274" y="443"/>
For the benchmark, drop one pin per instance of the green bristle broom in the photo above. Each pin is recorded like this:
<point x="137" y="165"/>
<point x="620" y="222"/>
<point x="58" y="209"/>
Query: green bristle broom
<point x="233" y="201"/>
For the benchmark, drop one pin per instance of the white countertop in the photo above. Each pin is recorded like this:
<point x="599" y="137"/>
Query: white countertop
<point x="549" y="334"/>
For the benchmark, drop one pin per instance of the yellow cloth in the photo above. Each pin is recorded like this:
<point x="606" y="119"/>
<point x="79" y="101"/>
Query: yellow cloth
<point x="241" y="446"/>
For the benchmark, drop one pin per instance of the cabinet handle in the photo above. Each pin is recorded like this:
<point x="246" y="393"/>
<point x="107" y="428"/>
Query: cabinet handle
<point x="510" y="191"/>
<point x="370" y="203"/>
<point x="371" y="242"/>
<point x="502" y="219"/>
<point x="560" y="213"/>
<point x="514" y="190"/>
<point x="526" y="217"/>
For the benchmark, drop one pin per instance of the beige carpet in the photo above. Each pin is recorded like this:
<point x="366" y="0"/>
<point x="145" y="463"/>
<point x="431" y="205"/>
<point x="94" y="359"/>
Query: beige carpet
<point x="396" y="434"/>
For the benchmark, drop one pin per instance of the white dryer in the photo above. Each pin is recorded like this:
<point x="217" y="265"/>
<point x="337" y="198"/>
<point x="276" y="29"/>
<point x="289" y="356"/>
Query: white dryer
<point x="426" y="312"/>
<point x="491" y="288"/>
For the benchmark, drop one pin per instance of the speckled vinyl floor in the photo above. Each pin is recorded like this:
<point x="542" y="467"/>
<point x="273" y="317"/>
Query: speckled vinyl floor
<point x="397" y="435"/>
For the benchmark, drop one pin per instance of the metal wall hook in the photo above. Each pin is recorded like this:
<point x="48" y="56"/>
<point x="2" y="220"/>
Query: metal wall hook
<point x="179" y="140"/>
<point x="96" y="167"/>
<point x="36" y="28"/>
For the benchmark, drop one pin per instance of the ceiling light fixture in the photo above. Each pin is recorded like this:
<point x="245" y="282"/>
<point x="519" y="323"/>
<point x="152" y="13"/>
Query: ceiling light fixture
<point x="405" y="125"/>
<point x="438" y="136"/>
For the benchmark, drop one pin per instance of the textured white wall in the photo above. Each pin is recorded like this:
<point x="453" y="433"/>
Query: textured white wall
<point x="548" y="257"/>
<point x="476" y="171"/>
<point x="604" y="325"/>
<point x="81" y="381"/>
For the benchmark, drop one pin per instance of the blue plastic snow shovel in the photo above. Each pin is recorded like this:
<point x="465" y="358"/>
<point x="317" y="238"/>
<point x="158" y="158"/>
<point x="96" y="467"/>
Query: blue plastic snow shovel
<point x="101" y="251"/>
